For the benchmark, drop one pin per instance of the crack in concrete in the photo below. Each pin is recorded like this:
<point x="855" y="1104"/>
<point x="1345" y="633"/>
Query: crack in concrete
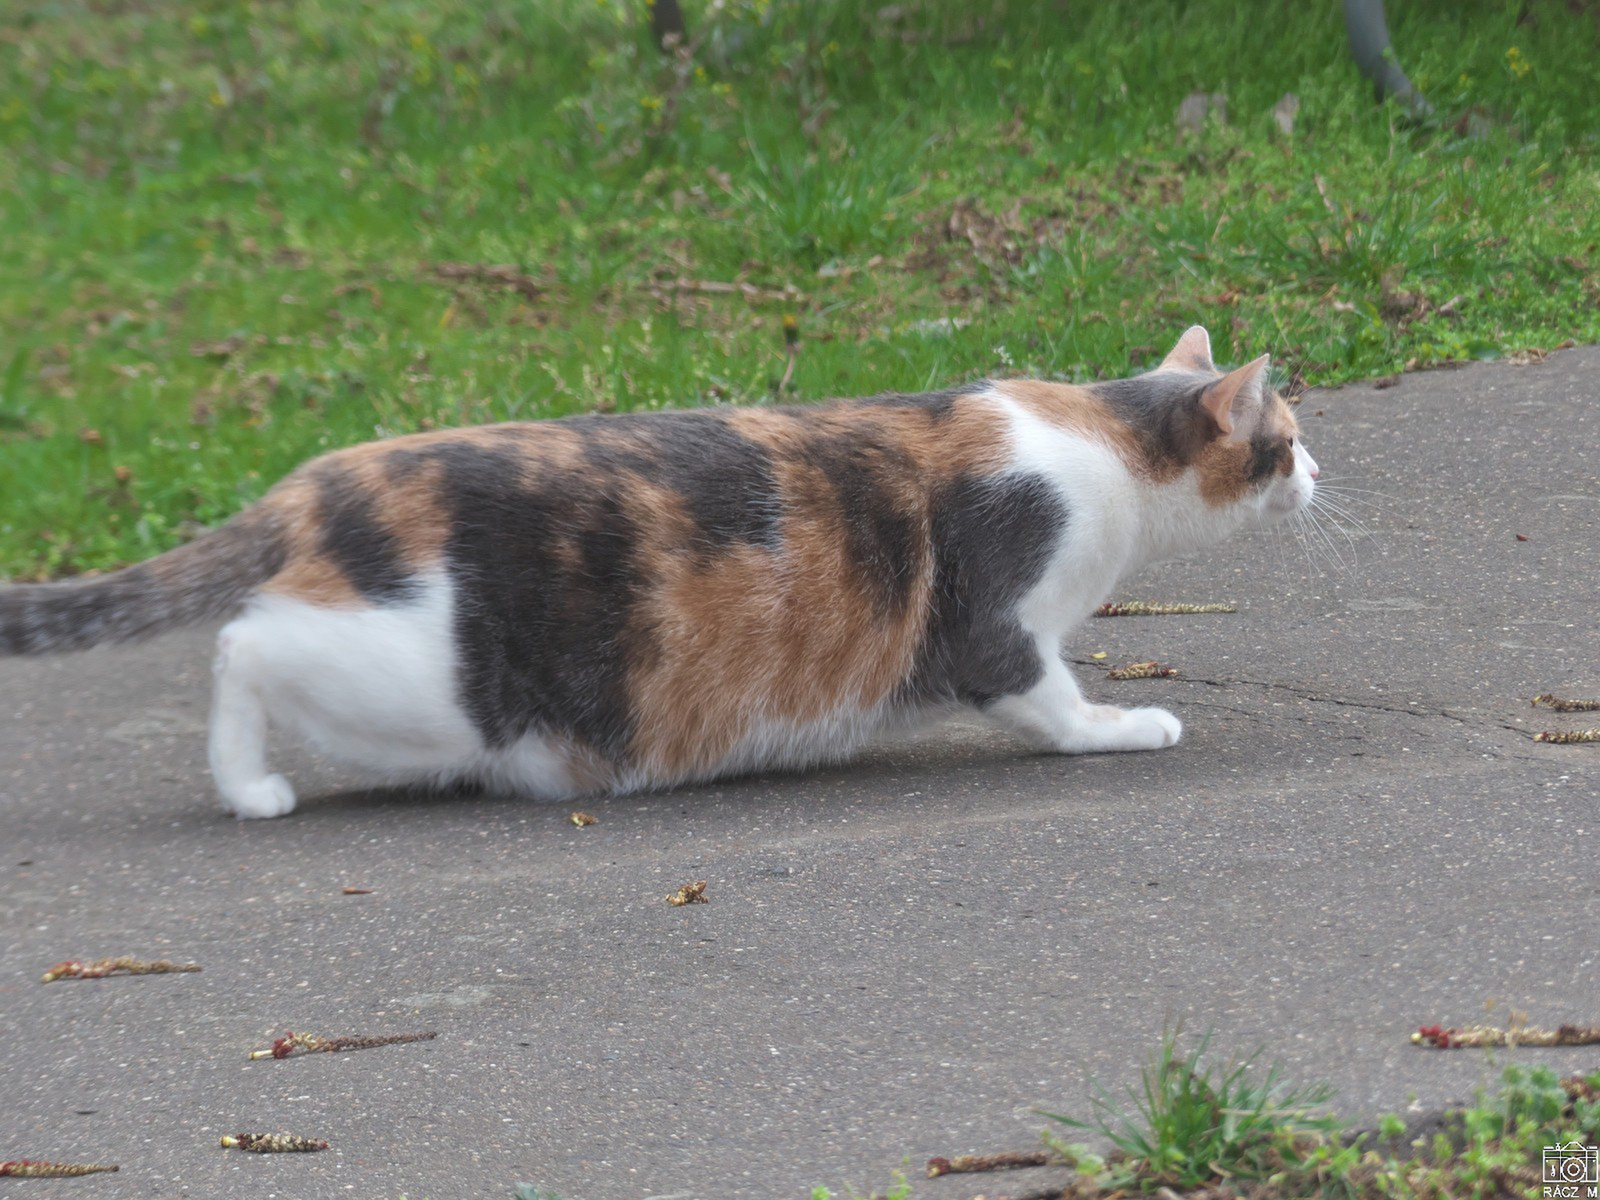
<point x="1304" y="693"/>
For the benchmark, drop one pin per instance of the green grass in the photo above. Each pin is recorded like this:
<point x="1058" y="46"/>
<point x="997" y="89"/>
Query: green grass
<point x="225" y="222"/>
<point x="1188" y="1121"/>
<point x="898" y="1189"/>
<point x="1192" y="1127"/>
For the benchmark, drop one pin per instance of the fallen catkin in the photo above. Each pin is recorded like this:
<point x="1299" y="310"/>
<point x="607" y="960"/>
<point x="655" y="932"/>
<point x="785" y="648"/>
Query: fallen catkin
<point x="969" y="1163"/>
<point x="27" y="1168"/>
<point x="1568" y="736"/>
<point x="271" y="1143"/>
<point x="312" y="1044"/>
<point x="1143" y="608"/>
<point x="99" y="969"/>
<point x="1487" y="1035"/>
<point x="1561" y="705"/>
<point x="1142" y="670"/>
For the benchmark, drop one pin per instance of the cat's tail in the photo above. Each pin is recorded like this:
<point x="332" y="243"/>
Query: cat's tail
<point x="208" y="577"/>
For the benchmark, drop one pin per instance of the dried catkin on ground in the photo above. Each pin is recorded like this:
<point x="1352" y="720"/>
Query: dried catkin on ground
<point x="1562" y="705"/>
<point x="312" y="1044"/>
<point x="100" y="968"/>
<point x="1145" y="608"/>
<point x="1488" y="1035"/>
<point x="1142" y="670"/>
<point x="971" y="1163"/>
<point x="271" y="1143"/>
<point x="27" y="1168"/>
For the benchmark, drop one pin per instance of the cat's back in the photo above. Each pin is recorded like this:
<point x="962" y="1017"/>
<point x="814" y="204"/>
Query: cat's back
<point x="629" y="492"/>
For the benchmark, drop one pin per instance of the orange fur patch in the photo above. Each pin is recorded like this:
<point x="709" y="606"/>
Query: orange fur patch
<point x="306" y="575"/>
<point x="791" y="636"/>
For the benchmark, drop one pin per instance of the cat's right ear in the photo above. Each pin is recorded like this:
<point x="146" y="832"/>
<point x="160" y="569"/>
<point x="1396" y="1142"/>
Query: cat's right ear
<point x="1230" y="400"/>
<point x="1192" y="353"/>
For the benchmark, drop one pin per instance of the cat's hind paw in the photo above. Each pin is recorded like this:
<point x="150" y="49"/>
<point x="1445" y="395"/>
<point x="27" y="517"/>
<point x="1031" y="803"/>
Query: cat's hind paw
<point x="269" y="797"/>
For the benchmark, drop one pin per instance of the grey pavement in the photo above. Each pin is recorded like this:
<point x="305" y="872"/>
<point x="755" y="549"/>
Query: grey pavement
<point x="902" y="957"/>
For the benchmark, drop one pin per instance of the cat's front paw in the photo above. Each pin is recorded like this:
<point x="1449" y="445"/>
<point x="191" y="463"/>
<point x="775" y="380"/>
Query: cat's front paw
<point x="269" y="797"/>
<point x="1143" y="729"/>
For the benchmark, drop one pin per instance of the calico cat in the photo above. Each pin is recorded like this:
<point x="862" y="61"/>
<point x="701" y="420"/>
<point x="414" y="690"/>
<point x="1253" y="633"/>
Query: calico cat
<point x="606" y="604"/>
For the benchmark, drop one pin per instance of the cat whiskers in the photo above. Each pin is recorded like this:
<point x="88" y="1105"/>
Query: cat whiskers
<point x="1317" y="546"/>
<point x="1325" y="513"/>
<point x="1341" y="505"/>
<point x="1329" y="481"/>
<point x="1322" y="521"/>
<point x="1333" y="509"/>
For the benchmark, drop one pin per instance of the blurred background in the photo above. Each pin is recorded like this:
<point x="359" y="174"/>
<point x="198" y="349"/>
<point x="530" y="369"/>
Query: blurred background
<point x="233" y="235"/>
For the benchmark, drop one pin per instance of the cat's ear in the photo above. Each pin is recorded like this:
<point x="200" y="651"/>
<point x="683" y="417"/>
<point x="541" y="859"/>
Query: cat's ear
<point x="1192" y="353"/>
<point x="1229" y="400"/>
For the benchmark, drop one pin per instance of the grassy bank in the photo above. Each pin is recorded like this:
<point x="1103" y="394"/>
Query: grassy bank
<point x="237" y="234"/>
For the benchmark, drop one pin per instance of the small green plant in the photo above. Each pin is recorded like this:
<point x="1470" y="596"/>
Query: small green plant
<point x="528" y="1191"/>
<point x="899" y="1189"/>
<point x="1495" y="1146"/>
<point x="1192" y="1124"/>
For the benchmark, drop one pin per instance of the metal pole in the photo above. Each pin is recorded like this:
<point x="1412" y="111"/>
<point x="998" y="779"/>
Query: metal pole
<point x="1369" y="46"/>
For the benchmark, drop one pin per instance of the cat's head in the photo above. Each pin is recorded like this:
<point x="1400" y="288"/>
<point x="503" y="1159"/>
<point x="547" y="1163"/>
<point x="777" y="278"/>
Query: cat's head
<point x="1230" y="436"/>
<point x="1255" y="456"/>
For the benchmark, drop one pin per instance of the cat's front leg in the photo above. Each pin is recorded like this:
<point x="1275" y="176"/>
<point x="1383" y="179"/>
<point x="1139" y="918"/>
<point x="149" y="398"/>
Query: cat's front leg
<point x="1053" y="715"/>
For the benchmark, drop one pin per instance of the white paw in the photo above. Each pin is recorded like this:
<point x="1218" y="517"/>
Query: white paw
<point x="269" y="797"/>
<point x="1143" y="729"/>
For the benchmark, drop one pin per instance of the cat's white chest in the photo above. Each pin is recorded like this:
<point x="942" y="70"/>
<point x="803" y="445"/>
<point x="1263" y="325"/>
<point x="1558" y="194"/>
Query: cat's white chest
<point x="1100" y="539"/>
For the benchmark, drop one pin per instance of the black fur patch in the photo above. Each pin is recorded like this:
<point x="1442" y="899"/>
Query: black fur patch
<point x="884" y="542"/>
<point x="1268" y="456"/>
<point x="352" y="538"/>
<point x="1163" y="408"/>
<point x="992" y="538"/>
<point x="726" y="481"/>
<point x="546" y="581"/>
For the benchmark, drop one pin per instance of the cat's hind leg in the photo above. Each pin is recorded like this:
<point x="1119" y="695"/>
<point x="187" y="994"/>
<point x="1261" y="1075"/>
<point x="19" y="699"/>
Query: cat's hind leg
<point x="374" y="686"/>
<point x="1053" y="715"/>
<point x="237" y="746"/>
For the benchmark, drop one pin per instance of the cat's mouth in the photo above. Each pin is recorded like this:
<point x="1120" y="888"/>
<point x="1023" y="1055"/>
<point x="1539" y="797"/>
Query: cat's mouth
<point x="1284" y="501"/>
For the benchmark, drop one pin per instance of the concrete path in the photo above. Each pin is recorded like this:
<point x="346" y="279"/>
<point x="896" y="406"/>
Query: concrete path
<point x="900" y="958"/>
